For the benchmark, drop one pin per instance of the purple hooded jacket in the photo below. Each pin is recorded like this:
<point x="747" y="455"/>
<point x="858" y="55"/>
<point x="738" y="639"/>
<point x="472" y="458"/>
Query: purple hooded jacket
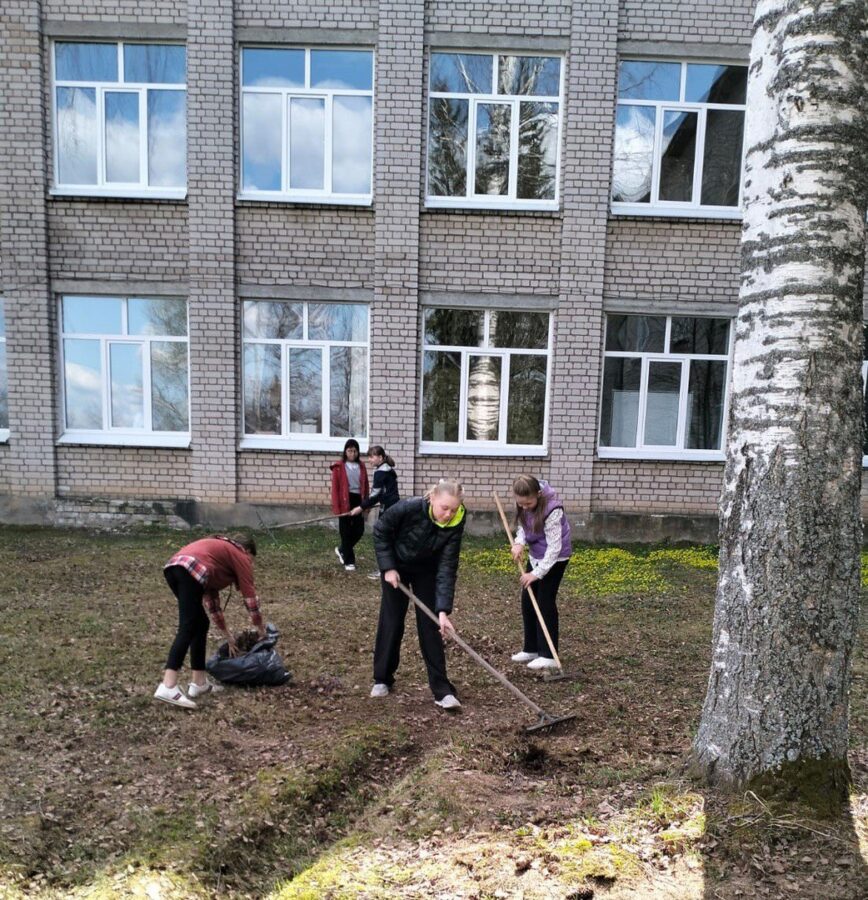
<point x="536" y="540"/>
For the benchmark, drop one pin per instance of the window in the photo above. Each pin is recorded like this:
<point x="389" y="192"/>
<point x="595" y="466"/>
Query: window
<point x="679" y="135"/>
<point x="305" y="373"/>
<point x="664" y="387"/>
<point x="485" y="381"/>
<point x="307" y="124"/>
<point x="4" y="383"/>
<point x="125" y="370"/>
<point x="120" y="119"/>
<point x="493" y="130"/>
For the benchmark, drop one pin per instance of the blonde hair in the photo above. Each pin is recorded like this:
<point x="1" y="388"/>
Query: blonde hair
<point x="450" y="486"/>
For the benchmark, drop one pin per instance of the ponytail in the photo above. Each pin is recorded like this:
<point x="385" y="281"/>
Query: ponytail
<point x="377" y="450"/>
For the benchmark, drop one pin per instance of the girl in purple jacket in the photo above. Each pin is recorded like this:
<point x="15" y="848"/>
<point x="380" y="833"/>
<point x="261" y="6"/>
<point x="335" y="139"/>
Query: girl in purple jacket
<point x="540" y="525"/>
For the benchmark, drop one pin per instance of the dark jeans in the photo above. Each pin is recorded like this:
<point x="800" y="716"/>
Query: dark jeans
<point x="351" y="529"/>
<point x="390" y="631"/>
<point x="193" y="621"/>
<point x="546" y="593"/>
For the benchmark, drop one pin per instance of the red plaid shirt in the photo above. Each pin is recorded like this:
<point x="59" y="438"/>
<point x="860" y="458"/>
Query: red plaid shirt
<point x="216" y="563"/>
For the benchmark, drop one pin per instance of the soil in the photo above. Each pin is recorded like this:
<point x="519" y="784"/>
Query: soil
<point x="314" y="789"/>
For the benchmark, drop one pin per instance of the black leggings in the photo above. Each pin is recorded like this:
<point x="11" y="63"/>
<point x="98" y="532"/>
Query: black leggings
<point x="351" y="529"/>
<point x="193" y="621"/>
<point x="546" y="593"/>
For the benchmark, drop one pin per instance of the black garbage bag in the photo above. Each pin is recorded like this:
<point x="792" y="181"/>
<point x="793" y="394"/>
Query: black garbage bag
<point x="261" y="665"/>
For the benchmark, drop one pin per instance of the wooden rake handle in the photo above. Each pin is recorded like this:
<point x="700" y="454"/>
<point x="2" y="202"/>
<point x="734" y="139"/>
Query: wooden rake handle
<point x="530" y="592"/>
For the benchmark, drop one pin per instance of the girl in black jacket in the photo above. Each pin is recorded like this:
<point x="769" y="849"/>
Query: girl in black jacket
<point x="384" y="488"/>
<point x="417" y="541"/>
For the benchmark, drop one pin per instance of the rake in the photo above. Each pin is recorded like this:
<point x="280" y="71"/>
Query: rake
<point x="546" y="720"/>
<point x="269" y="528"/>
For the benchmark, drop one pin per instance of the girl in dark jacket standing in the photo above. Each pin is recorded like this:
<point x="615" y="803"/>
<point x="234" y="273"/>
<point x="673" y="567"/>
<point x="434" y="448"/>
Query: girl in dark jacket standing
<point x="542" y="527"/>
<point x="384" y="490"/>
<point x="417" y="542"/>
<point x="349" y="489"/>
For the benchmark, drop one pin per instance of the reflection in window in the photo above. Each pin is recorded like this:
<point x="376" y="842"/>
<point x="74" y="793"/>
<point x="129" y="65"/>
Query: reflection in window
<point x="125" y="365"/>
<point x="120" y="89"/>
<point x="305" y="369"/>
<point x="679" y="134"/>
<point x="664" y="383"/>
<point x="307" y="122"/>
<point x="474" y="148"/>
<point x="484" y="378"/>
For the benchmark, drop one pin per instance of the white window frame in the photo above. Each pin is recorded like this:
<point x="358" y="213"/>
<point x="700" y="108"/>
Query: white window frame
<point x="4" y="432"/>
<point x="108" y="435"/>
<point x="692" y="209"/>
<point x="488" y="201"/>
<point x="288" y="440"/>
<point x="305" y="195"/>
<point x="464" y="446"/>
<point x="140" y="189"/>
<point x="652" y="451"/>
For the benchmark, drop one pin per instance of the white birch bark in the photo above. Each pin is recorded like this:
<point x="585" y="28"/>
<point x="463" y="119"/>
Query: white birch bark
<point x="790" y="531"/>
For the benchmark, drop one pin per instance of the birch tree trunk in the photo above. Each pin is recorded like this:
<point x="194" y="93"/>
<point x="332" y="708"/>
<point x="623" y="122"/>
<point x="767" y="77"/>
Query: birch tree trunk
<point x="776" y="712"/>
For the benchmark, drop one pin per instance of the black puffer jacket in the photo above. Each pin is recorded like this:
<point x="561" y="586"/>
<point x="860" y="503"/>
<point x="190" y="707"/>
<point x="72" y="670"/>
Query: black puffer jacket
<point x="405" y="538"/>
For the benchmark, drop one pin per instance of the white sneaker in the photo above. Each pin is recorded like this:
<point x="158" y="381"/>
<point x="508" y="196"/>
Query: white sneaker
<point x="339" y="555"/>
<point x="374" y="576"/>
<point x="523" y="656"/>
<point x="542" y="662"/>
<point x="350" y="567"/>
<point x="195" y="690"/>
<point x="450" y="701"/>
<point x="380" y="690"/>
<point x="174" y="695"/>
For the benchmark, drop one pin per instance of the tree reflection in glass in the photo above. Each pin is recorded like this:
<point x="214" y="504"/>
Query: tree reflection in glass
<point x="169" y="389"/>
<point x="447" y="147"/>
<point x="305" y="391"/>
<point x="525" y="417"/>
<point x="441" y="389"/>
<point x="348" y="387"/>
<point x="262" y="389"/>
<point x="537" y="150"/>
<point x="483" y="398"/>
<point x="492" y="148"/>
<point x="634" y="154"/>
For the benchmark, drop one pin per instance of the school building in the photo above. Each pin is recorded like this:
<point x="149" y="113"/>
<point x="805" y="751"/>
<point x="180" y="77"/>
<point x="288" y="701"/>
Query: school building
<point x="495" y="238"/>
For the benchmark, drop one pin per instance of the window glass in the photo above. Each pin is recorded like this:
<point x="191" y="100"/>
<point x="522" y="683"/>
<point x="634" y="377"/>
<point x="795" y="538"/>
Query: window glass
<point x="121" y="136"/>
<point x="164" y="316"/>
<point x="441" y="391"/>
<point x="638" y="80"/>
<point x="155" y="63"/>
<point x="305" y="390"/>
<point x="634" y="153"/>
<point x="721" y="162"/>
<point x="169" y="385"/>
<point x="306" y="143"/>
<point x="82" y="378"/>
<point x="348" y="386"/>
<point x="483" y="398"/>
<point x="620" y="412"/>
<point x="273" y="319"/>
<point x="705" y="395"/>
<point x="263" y="141"/>
<point x="678" y="156"/>
<point x="272" y="67"/>
<point x="262" y="394"/>
<point x="126" y="386"/>
<point x="337" y="322"/>
<point x="92" y="315"/>
<point x="447" y="147"/>
<point x="699" y="335"/>
<point x="351" y="157"/>
<point x="525" y="416"/>
<point x="535" y="75"/>
<point x="85" y="62"/>
<point x="661" y="412"/>
<point x="167" y="138"/>
<point x="716" y="84"/>
<point x="76" y="135"/>
<point x="461" y="73"/>
<point x="337" y="69"/>
<point x="641" y="333"/>
<point x="492" y="148"/>
<point x="537" y="150"/>
<point x="519" y="329"/>
<point x="454" y="327"/>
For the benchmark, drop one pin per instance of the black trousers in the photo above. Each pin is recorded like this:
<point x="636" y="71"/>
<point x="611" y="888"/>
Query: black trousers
<point x="546" y="593"/>
<point x="351" y="529"/>
<point x="193" y="621"/>
<point x="390" y="631"/>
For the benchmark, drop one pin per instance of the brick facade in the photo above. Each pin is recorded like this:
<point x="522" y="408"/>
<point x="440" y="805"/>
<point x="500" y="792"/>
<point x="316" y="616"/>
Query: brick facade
<point x="215" y="249"/>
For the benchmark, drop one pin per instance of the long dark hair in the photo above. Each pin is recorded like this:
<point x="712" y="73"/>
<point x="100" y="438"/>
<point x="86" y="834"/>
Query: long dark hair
<point x="245" y="541"/>
<point x="352" y="442"/>
<point x="377" y="450"/>
<point x="527" y="486"/>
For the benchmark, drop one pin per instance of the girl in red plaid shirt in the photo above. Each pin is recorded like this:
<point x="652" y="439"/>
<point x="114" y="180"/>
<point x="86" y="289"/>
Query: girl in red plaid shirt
<point x="196" y="574"/>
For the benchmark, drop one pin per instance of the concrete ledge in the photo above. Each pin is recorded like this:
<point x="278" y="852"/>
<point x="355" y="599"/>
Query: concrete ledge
<point x="686" y="50"/>
<point x="120" y="288"/>
<point x="125" y="31"/>
<point x="484" y="300"/>
<point x="250" y="291"/>
<point x="468" y="40"/>
<point x="351" y="37"/>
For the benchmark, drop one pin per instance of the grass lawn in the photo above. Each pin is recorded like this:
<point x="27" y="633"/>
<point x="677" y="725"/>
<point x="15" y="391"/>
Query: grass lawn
<point x="314" y="790"/>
